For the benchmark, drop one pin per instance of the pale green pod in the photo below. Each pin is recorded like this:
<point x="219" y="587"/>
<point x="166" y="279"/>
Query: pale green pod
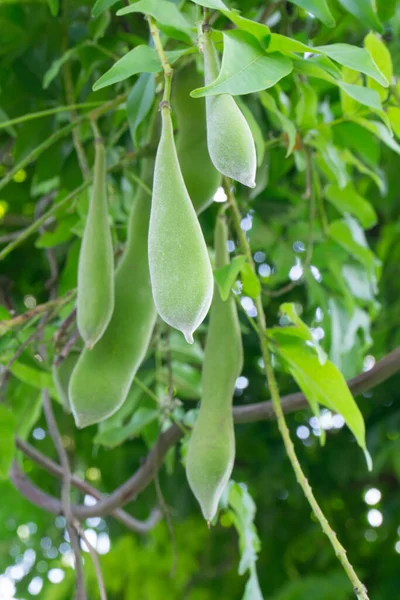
<point x="201" y="177"/>
<point x="211" y="450"/>
<point x="230" y="141"/>
<point x="61" y="376"/>
<point x="95" y="301"/>
<point x="103" y="376"/>
<point x="180" y="269"/>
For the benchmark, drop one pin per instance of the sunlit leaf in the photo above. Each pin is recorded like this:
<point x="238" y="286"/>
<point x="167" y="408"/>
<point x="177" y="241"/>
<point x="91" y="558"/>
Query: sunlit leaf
<point x="363" y="10"/>
<point x="245" y="67"/>
<point x="139" y="102"/>
<point x="319" y="8"/>
<point x="164" y="12"/>
<point x="355" y="58"/>
<point x="347" y="200"/>
<point x="323" y="383"/>
<point x="227" y="275"/>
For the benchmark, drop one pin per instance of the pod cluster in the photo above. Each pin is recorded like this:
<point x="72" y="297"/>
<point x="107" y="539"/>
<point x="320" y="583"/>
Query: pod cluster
<point x="166" y="269"/>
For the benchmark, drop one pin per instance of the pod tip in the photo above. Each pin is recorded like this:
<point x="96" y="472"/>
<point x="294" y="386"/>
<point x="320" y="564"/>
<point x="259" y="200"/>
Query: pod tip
<point x="188" y="337"/>
<point x="209" y="524"/>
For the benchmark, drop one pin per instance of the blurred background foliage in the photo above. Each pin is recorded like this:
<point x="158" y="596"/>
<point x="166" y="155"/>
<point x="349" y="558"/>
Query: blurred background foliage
<point x="51" y="56"/>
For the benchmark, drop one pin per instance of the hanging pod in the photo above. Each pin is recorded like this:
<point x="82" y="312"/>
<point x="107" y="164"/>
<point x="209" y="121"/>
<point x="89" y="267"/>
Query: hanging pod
<point x="201" y="177"/>
<point x="230" y="141"/>
<point x="180" y="269"/>
<point x="62" y="375"/>
<point x="102" y="377"/>
<point x="95" y="302"/>
<point x="211" y="450"/>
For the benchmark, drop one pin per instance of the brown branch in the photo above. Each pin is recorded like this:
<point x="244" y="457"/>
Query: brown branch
<point x="130" y="522"/>
<point x="19" y="320"/>
<point x="251" y="413"/>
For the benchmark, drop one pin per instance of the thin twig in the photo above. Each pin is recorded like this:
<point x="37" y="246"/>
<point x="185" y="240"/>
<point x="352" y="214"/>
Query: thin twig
<point x="66" y="488"/>
<point x="19" y="320"/>
<point x="95" y="560"/>
<point x="129" y="156"/>
<point x="358" y="586"/>
<point x="58" y="135"/>
<point x="136" y="525"/>
<point x="261" y="411"/>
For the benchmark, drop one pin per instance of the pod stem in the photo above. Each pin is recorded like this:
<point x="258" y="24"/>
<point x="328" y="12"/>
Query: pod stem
<point x="168" y="70"/>
<point x="358" y="586"/>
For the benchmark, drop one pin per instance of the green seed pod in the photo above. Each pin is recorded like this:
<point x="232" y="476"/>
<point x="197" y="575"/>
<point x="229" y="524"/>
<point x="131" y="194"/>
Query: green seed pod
<point x="180" y="269"/>
<point x="230" y="141"/>
<point x="201" y="177"/>
<point x="103" y="376"/>
<point x="95" y="302"/>
<point x="62" y="375"/>
<point x="211" y="449"/>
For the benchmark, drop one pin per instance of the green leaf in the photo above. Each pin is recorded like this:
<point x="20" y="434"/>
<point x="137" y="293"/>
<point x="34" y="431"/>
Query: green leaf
<point x="116" y="436"/>
<point x="347" y="200"/>
<point x="243" y="512"/>
<point x="35" y="378"/>
<point x="287" y="125"/>
<point x="393" y="113"/>
<point x="139" y="103"/>
<point x="362" y="94"/>
<point x="341" y="232"/>
<point x="364" y="12"/>
<point x="250" y="281"/>
<point x="245" y="67"/>
<point x="102" y="5"/>
<point x="319" y="8"/>
<point x="54" y="6"/>
<point x="61" y="234"/>
<point x="258" y="30"/>
<point x="289" y="309"/>
<point x="27" y="409"/>
<point x="323" y="383"/>
<point x="215" y="4"/>
<point x="329" y="154"/>
<point x="307" y="106"/>
<point x="56" y="66"/>
<point x="382" y="58"/>
<point x="7" y="440"/>
<point x="355" y="58"/>
<point x="227" y="275"/>
<point x="164" y="12"/>
<point x="380" y="131"/>
<point x="286" y="45"/>
<point x="350" y="159"/>
<point x="141" y="59"/>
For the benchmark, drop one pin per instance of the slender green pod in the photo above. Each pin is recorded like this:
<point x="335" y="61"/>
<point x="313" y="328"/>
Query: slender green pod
<point x="95" y="301"/>
<point x="211" y="450"/>
<point x="103" y="376"/>
<point x="201" y="177"/>
<point x="62" y="375"/>
<point x="230" y="141"/>
<point x="180" y="269"/>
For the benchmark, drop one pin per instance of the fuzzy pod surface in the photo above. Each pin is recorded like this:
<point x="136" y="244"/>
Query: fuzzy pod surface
<point x="201" y="177"/>
<point x="180" y="269"/>
<point x="211" y="450"/>
<point x="95" y="301"/>
<point x="103" y="376"/>
<point x="229" y="138"/>
<point x="62" y="375"/>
